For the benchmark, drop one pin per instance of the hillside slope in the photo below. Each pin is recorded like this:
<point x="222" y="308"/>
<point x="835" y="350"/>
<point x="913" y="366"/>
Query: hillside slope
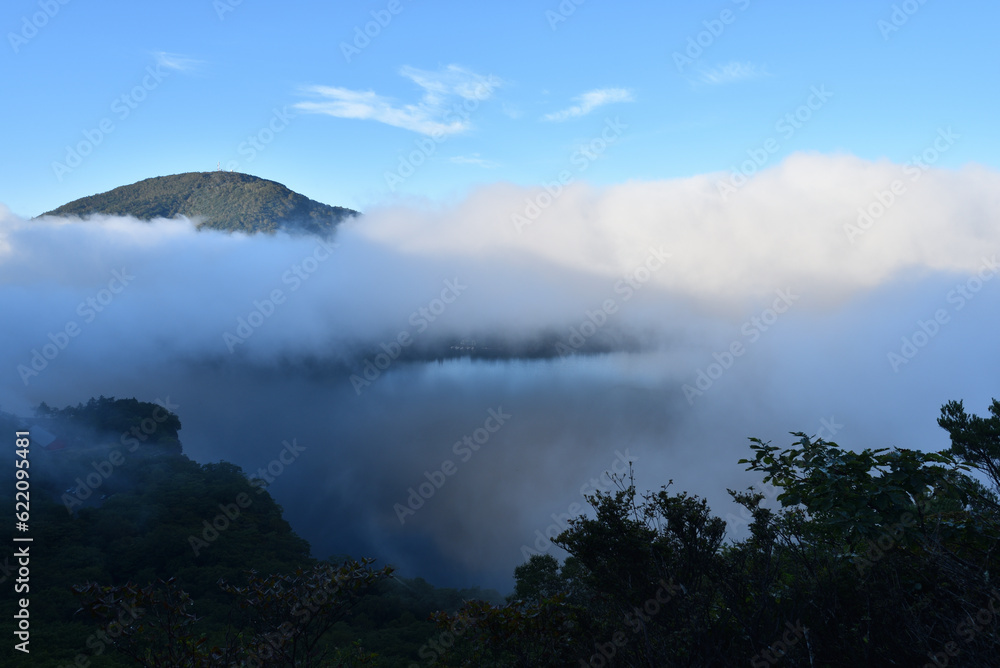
<point x="219" y="200"/>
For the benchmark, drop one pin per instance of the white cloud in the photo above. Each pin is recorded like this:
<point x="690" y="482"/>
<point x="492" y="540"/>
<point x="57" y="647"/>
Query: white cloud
<point x="511" y="111"/>
<point x="176" y="61"/>
<point x="473" y="159"/>
<point x="791" y="225"/>
<point x="590" y="101"/>
<point x="730" y="72"/>
<point x="439" y="111"/>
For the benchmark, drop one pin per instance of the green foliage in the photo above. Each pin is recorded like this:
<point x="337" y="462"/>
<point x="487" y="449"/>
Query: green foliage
<point x="878" y="557"/>
<point x="288" y="615"/>
<point x="837" y="487"/>
<point x="136" y="421"/>
<point x="221" y="200"/>
<point x="150" y="625"/>
<point x="537" y="579"/>
<point x="279" y="620"/>
<point x="132" y="534"/>
<point x="974" y="440"/>
<point x="540" y="633"/>
<point x="874" y="558"/>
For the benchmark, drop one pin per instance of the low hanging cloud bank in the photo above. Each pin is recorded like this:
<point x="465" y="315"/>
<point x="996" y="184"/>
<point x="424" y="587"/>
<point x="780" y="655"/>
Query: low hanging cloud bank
<point x="827" y="227"/>
<point x="827" y="293"/>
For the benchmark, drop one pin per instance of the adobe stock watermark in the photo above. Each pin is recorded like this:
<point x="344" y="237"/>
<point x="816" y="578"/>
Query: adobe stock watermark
<point x="603" y="483"/>
<point x="256" y="143"/>
<point x="420" y="320"/>
<point x="438" y="646"/>
<point x="427" y="146"/>
<point x="828" y="428"/>
<point x="914" y="168"/>
<point x="381" y="19"/>
<point x="786" y="126"/>
<point x="231" y="512"/>
<point x="31" y="25"/>
<point x="58" y="341"/>
<point x="122" y="107"/>
<point x="264" y="308"/>
<point x="892" y="535"/>
<point x="704" y="39"/>
<point x="303" y="610"/>
<point x="752" y="329"/>
<point x="887" y="540"/>
<point x="223" y="7"/>
<point x="630" y="283"/>
<point x="562" y="13"/>
<point x="777" y="650"/>
<point x="926" y="330"/>
<point x="130" y="439"/>
<point x="636" y="620"/>
<point x="463" y="449"/>
<point x="266" y="475"/>
<point x="968" y="629"/>
<point x="581" y="160"/>
<point x="104" y="638"/>
<point x="899" y="17"/>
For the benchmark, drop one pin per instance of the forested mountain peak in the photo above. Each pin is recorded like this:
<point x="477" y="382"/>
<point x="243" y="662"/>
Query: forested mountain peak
<point x="219" y="200"/>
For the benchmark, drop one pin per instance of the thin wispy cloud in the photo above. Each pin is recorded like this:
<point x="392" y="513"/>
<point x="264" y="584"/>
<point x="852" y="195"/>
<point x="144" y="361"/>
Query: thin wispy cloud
<point x="731" y="72"/>
<point x="474" y="159"/>
<point x="511" y="111"/>
<point x="438" y="112"/>
<point x="176" y="61"/>
<point x="589" y="101"/>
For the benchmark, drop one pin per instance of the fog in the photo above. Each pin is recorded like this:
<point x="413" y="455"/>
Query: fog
<point x="534" y="338"/>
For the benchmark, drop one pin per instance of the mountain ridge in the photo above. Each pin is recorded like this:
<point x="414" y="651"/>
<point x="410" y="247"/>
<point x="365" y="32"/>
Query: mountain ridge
<point x="230" y="201"/>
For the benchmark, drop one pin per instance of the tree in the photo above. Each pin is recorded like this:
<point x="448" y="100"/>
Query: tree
<point x="974" y="440"/>
<point x="279" y="620"/>
<point x="546" y="632"/>
<point x="891" y="549"/>
<point x="537" y="578"/>
<point x="286" y="616"/>
<point x="877" y="557"/>
<point x="151" y="625"/>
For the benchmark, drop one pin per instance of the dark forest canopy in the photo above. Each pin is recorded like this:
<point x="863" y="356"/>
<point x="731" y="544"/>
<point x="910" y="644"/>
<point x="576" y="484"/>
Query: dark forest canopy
<point x="879" y="557"/>
<point x="220" y="200"/>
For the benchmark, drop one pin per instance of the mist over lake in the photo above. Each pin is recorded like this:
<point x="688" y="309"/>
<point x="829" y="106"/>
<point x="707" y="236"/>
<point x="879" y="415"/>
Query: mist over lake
<point x="384" y="350"/>
<point x="518" y="334"/>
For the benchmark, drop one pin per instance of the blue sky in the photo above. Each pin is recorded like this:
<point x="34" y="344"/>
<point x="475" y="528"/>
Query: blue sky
<point x="332" y="119"/>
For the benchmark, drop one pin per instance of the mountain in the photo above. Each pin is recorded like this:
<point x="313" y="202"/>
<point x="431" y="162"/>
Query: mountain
<point x="118" y="503"/>
<point x="219" y="200"/>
